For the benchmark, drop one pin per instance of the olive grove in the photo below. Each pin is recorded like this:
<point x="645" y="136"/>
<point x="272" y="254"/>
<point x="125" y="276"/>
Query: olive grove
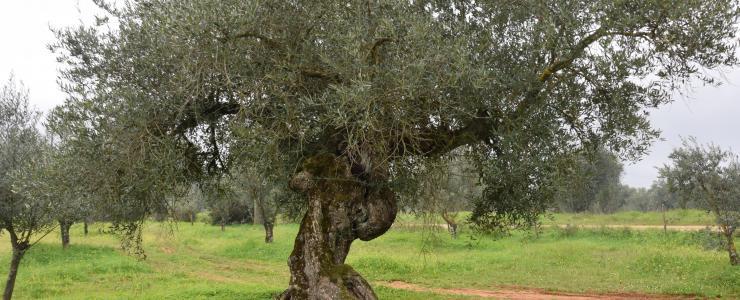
<point x="349" y="99"/>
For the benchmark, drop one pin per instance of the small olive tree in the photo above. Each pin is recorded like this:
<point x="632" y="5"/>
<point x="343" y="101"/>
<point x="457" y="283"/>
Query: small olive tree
<point x="23" y="152"/>
<point x="446" y="187"/>
<point x="593" y="183"/>
<point x="710" y="177"/>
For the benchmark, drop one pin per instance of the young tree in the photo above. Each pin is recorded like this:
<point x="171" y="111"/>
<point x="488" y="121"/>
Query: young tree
<point x="226" y="202"/>
<point x="448" y="186"/>
<point x="266" y="193"/>
<point x="352" y="95"/>
<point x="710" y="177"/>
<point x="22" y="152"/>
<point x="594" y="184"/>
<point x="187" y="209"/>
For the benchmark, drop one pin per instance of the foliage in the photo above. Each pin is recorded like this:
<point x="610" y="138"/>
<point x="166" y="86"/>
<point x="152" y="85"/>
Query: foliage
<point x="180" y="88"/>
<point x="710" y="177"/>
<point x="593" y="184"/>
<point x="226" y="202"/>
<point x="23" y="151"/>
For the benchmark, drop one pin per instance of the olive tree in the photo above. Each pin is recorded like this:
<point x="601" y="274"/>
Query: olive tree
<point x="710" y="177"/>
<point x="594" y="184"/>
<point x="57" y="179"/>
<point x="351" y="96"/>
<point x="265" y="194"/>
<point x="23" y="150"/>
<point x="447" y="187"/>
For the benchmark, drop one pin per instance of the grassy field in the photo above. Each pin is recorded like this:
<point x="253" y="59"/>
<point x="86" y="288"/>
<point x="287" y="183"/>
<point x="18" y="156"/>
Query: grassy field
<point x="673" y="217"/>
<point x="201" y="262"/>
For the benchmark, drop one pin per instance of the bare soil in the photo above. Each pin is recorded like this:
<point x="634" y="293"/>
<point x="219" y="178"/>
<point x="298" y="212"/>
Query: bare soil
<point x="516" y="293"/>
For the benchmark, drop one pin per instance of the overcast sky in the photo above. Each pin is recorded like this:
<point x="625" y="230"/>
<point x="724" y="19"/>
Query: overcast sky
<point x="708" y="113"/>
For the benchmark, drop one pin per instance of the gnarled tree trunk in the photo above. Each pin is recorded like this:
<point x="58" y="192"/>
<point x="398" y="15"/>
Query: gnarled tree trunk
<point x="341" y="208"/>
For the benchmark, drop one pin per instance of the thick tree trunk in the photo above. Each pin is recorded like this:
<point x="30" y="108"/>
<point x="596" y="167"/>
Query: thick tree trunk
<point x="728" y="232"/>
<point x="15" y="261"/>
<point x="268" y="231"/>
<point x="64" y="228"/>
<point x="341" y="208"/>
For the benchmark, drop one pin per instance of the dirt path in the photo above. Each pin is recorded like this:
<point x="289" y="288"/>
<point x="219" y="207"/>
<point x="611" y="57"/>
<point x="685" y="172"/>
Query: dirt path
<point x="633" y="227"/>
<point x="645" y="227"/>
<point x="526" y="294"/>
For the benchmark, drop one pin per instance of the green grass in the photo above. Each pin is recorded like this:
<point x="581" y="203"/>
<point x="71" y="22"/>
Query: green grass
<point x="673" y="217"/>
<point x="201" y="262"/>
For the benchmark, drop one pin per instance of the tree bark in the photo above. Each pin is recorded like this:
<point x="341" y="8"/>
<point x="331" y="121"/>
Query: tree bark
<point x="19" y="249"/>
<point x="341" y="208"/>
<point x="731" y="250"/>
<point x="64" y="228"/>
<point x="84" y="226"/>
<point x="268" y="231"/>
<point x="223" y="226"/>
<point x="257" y="217"/>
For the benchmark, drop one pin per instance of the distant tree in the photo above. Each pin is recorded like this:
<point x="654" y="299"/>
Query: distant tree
<point x="593" y="184"/>
<point x="187" y="208"/>
<point x="354" y="94"/>
<point x="23" y="150"/>
<point x="710" y="177"/>
<point x="448" y="186"/>
<point x="226" y="202"/>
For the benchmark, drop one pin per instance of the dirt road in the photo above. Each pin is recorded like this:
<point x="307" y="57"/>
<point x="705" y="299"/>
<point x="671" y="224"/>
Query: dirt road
<point x="632" y="227"/>
<point x="646" y="227"/>
<point x="526" y="294"/>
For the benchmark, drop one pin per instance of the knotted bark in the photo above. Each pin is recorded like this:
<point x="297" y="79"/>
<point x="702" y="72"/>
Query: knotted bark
<point x="341" y="209"/>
